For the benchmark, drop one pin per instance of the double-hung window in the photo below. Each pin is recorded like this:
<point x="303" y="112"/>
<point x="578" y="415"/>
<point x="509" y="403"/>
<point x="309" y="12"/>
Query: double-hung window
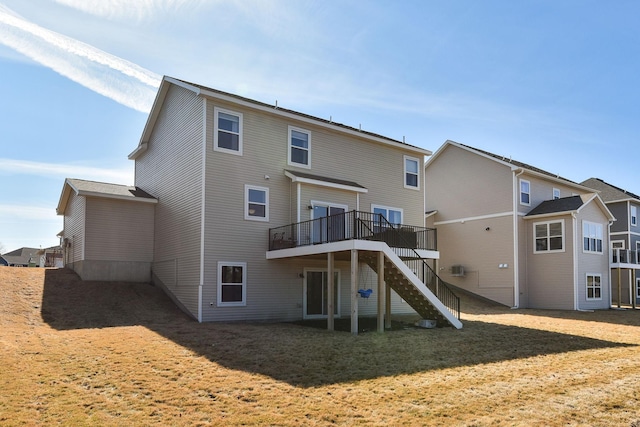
<point x="299" y="147"/>
<point x="392" y="215"/>
<point x="256" y="203"/>
<point x="232" y="283"/>
<point x="549" y="236"/>
<point x="525" y="192"/>
<point x="411" y="172"/>
<point x="594" y="287"/>
<point x="592" y="237"/>
<point x="556" y="193"/>
<point x="227" y="136"/>
<point x="634" y="215"/>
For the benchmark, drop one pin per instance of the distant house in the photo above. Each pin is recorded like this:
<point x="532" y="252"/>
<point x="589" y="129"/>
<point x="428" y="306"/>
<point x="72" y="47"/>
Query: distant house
<point x="247" y="211"/>
<point x="625" y="240"/>
<point x="23" y="257"/>
<point x="516" y="234"/>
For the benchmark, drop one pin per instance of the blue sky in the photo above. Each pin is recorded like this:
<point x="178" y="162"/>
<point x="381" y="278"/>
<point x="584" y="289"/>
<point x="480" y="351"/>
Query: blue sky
<point x="550" y="83"/>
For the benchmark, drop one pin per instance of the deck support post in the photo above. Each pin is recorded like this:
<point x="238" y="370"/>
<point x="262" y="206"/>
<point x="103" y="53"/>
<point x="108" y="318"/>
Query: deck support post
<point x="619" y="284"/>
<point x="330" y="291"/>
<point x="381" y="292"/>
<point x="634" y="289"/>
<point x="387" y="305"/>
<point x="354" y="291"/>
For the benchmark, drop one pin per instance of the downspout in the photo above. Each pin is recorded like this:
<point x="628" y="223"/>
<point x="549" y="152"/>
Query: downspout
<point x="516" y="242"/>
<point x="609" y="259"/>
<point x="202" y="205"/>
<point x="574" y="220"/>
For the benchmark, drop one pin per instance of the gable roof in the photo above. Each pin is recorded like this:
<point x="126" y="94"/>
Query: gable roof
<point x="101" y="189"/>
<point x="568" y="205"/>
<point x="21" y="256"/>
<point x="508" y="162"/>
<point x="608" y="192"/>
<point x="208" y="92"/>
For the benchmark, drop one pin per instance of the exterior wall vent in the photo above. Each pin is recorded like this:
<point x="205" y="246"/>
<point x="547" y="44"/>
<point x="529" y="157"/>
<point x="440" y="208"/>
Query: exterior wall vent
<point x="457" y="271"/>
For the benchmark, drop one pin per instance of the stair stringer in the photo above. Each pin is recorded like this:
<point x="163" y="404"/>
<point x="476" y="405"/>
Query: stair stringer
<point x="441" y="311"/>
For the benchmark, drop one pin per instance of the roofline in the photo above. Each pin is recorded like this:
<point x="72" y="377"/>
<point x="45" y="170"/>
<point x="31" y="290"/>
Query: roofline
<point x="68" y="187"/>
<point x="295" y="178"/>
<point x="586" y="199"/>
<point x="513" y="167"/>
<point x="256" y="105"/>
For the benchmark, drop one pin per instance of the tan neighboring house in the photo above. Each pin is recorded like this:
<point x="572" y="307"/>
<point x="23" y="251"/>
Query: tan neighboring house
<point x="243" y="210"/>
<point x="516" y="234"/>
<point x="625" y="240"/>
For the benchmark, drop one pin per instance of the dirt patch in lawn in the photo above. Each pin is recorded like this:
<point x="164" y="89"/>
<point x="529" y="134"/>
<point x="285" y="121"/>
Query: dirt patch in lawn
<point x="93" y="353"/>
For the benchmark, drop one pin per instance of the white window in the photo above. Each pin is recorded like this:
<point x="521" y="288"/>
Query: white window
<point x="549" y="236"/>
<point x="232" y="283"/>
<point x="594" y="287"/>
<point x="634" y="215"/>
<point x="592" y="237"/>
<point x="556" y="193"/>
<point x="637" y="287"/>
<point x="299" y="147"/>
<point x="411" y="172"/>
<point x="256" y="203"/>
<point x="227" y="132"/>
<point x="393" y="215"/>
<point x="525" y="192"/>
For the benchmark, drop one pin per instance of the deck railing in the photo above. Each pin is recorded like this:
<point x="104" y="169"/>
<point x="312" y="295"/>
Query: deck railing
<point x="349" y="226"/>
<point x="624" y="256"/>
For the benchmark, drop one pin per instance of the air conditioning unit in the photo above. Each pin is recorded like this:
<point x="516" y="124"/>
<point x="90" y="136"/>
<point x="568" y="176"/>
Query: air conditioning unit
<point x="457" y="271"/>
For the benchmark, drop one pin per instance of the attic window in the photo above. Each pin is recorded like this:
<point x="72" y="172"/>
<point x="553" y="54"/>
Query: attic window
<point x="227" y="136"/>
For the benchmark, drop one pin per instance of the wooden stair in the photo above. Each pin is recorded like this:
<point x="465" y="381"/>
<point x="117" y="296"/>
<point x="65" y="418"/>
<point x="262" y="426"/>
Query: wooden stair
<point x="404" y="287"/>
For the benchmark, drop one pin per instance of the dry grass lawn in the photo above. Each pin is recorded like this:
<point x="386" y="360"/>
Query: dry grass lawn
<point x="89" y="353"/>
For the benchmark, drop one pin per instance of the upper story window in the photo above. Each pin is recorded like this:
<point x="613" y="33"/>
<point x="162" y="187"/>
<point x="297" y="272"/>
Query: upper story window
<point x="592" y="237"/>
<point x="227" y="132"/>
<point x="232" y="283"/>
<point x="525" y="192"/>
<point x="393" y="215"/>
<point x="549" y="236"/>
<point x="256" y="203"/>
<point x="299" y="147"/>
<point x="411" y="172"/>
<point x="634" y="215"/>
<point x="556" y="193"/>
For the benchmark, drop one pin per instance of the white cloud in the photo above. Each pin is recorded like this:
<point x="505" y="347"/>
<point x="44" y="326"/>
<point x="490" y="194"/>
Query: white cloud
<point x="106" y="74"/>
<point x="127" y="9"/>
<point x="22" y="213"/>
<point x="53" y="170"/>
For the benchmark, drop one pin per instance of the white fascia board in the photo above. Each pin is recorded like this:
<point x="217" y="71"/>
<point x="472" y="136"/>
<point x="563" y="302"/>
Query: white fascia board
<point x="300" y="118"/>
<point x="588" y="198"/>
<point x="295" y="178"/>
<point x="64" y="196"/>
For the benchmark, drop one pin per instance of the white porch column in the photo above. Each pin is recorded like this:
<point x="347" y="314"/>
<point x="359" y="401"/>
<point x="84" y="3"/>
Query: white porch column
<point x="330" y="296"/>
<point x="381" y="292"/>
<point x="354" y="291"/>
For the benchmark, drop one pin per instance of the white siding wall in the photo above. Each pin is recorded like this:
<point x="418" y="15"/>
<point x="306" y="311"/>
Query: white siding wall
<point x="74" y="227"/>
<point x="589" y="263"/>
<point x="171" y="170"/>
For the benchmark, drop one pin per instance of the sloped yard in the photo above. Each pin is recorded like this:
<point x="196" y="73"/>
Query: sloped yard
<point x="91" y="353"/>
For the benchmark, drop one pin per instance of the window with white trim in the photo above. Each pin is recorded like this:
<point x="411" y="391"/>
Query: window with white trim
<point x="256" y="203"/>
<point x="299" y="147"/>
<point x="411" y="172"/>
<point x="393" y="215"/>
<point x="556" y="193"/>
<point x="594" y="286"/>
<point x="634" y="215"/>
<point x="592" y="237"/>
<point x="548" y="236"/>
<point x="637" y="287"/>
<point x="227" y="132"/>
<point x="525" y="192"/>
<point x="232" y="283"/>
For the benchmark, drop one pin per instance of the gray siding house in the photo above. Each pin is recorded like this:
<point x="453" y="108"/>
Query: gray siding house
<point x="255" y="212"/>
<point x="516" y="234"/>
<point x="625" y="240"/>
